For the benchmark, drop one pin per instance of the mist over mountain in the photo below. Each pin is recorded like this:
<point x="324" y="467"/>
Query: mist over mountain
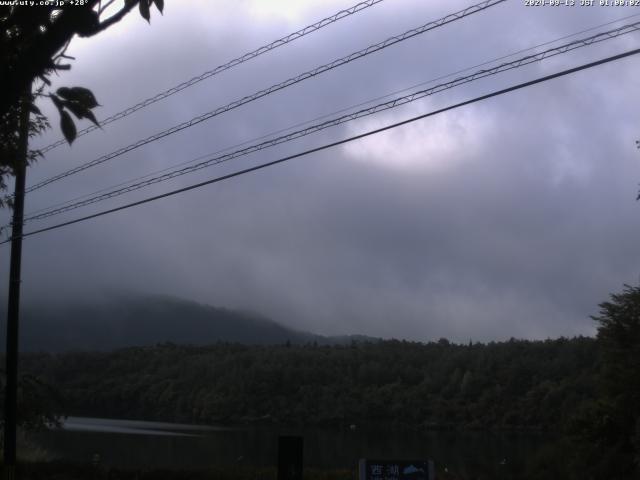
<point x="123" y="321"/>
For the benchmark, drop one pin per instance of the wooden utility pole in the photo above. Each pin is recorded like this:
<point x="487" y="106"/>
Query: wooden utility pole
<point x="11" y="387"/>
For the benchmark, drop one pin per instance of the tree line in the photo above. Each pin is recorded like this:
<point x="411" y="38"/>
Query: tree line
<point x="515" y="384"/>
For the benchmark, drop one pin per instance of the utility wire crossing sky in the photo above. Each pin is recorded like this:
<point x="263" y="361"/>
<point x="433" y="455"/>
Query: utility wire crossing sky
<point x="341" y="142"/>
<point x="276" y="87"/>
<point x="625" y="29"/>
<point x="221" y="68"/>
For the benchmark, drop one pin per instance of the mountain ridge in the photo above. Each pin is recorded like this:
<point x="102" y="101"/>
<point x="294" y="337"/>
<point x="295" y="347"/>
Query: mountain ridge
<point x="127" y="320"/>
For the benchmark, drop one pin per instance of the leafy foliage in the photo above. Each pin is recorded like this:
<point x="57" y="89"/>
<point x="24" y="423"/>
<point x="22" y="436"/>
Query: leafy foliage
<point x="39" y="404"/>
<point x="33" y="42"/>
<point x="9" y="141"/>
<point x="77" y="100"/>
<point x="615" y="422"/>
<point x="516" y="384"/>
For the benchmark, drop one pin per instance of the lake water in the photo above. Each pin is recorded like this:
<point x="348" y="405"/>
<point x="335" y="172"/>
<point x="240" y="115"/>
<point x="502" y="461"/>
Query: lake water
<point x="137" y="444"/>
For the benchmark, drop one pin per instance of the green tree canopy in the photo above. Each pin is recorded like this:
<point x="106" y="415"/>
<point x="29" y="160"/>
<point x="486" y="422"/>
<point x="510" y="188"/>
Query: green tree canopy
<point x="619" y="339"/>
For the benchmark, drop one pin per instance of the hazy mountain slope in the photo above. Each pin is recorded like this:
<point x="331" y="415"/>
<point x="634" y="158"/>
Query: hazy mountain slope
<point x="130" y="321"/>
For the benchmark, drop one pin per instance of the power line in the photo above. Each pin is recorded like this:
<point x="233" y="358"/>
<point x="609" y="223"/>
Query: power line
<point x="327" y="115"/>
<point x="221" y="68"/>
<point x="625" y="29"/>
<point x="339" y="142"/>
<point x="352" y="116"/>
<point x="274" y="88"/>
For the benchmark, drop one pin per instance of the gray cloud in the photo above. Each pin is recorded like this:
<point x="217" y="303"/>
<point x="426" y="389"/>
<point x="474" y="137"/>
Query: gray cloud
<point x="513" y="217"/>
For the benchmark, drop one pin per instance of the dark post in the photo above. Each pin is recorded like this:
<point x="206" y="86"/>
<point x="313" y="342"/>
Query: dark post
<point x="290" y="458"/>
<point x="11" y="388"/>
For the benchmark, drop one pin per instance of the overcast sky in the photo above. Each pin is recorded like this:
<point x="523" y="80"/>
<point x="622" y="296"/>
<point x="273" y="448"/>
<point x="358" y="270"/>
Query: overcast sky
<point x="515" y="216"/>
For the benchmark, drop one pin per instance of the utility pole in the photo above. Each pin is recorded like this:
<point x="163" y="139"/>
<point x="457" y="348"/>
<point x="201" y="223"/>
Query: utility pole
<point x="13" y="309"/>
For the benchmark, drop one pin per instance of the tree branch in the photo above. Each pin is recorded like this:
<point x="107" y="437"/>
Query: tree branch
<point x="102" y="8"/>
<point x="115" y="18"/>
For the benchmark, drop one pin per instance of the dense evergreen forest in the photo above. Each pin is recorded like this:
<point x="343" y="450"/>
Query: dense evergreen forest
<point x="516" y="384"/>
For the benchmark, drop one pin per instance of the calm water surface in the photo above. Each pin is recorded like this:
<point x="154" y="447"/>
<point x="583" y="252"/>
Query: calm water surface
<point x="137" y="444"/>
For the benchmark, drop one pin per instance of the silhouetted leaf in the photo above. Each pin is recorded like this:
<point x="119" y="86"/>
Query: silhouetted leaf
<point x="87" y="23"/>
<point x="82" y="95"/>
<point x="68" y="127"/>
<point x="144" y="10"/>
<point x="34" y="109"/>
<point x="159" y="5"/>
<point x="76" y="109"/>
<point x="92" y="117"/>
<point x="64" y="92"/>
<point x="80" y="111"/>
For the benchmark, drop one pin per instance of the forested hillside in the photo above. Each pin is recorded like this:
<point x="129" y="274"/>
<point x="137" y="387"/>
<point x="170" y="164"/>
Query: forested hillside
<point x="515" y="384"/>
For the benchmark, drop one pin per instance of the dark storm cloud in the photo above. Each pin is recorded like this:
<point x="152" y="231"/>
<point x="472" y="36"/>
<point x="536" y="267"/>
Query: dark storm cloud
<point x="512" y="217"/>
